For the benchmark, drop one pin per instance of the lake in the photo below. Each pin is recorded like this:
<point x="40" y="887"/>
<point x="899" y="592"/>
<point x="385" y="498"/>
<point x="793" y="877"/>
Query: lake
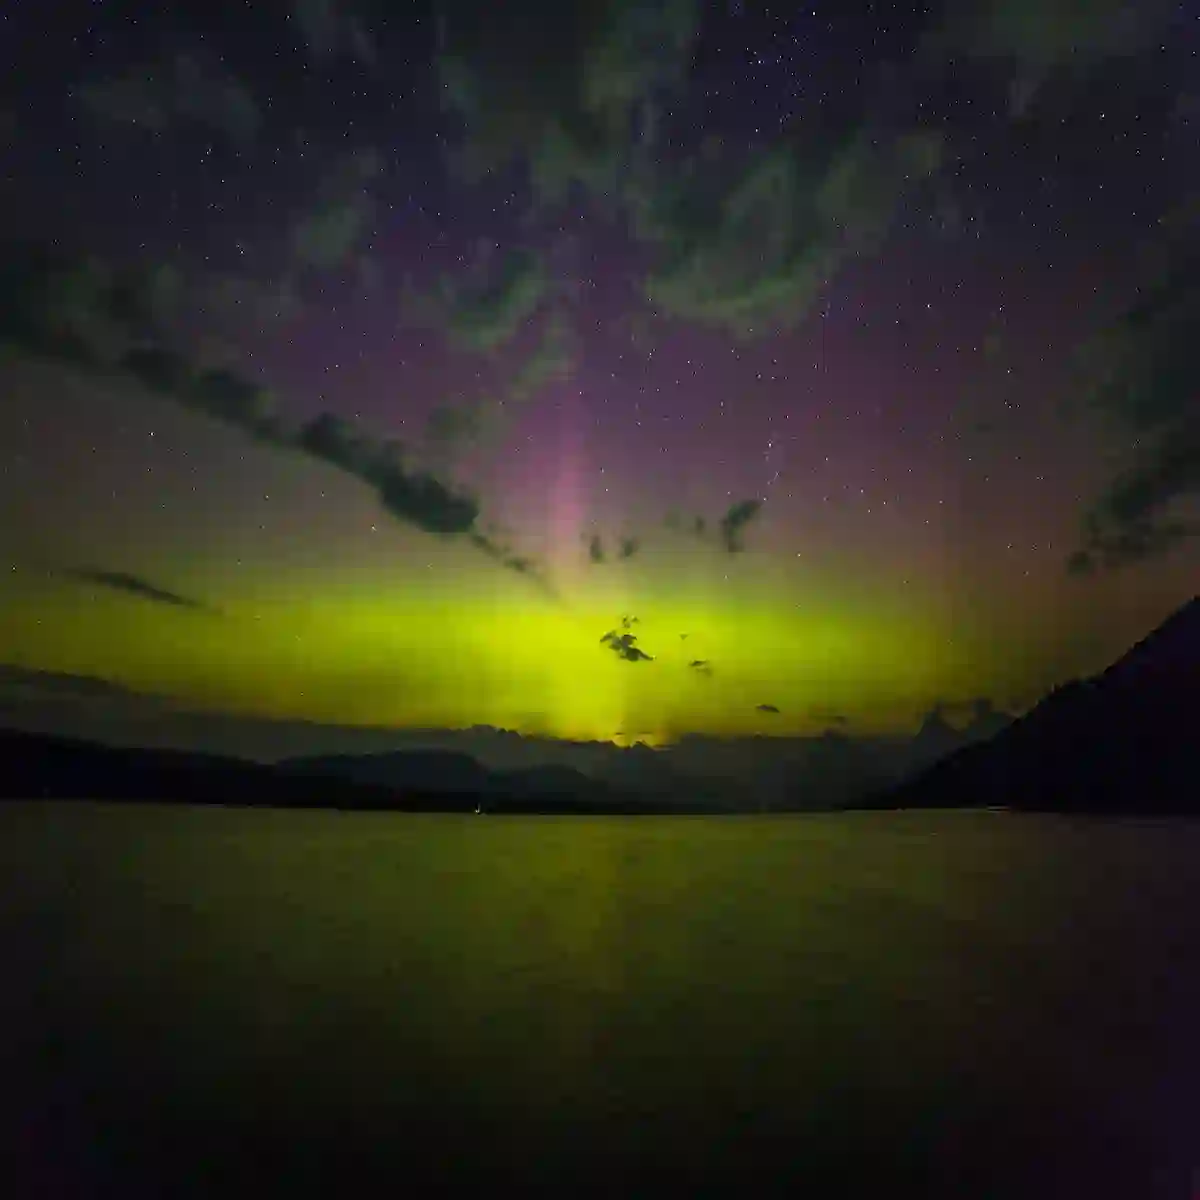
<point x="960" y="1004"/>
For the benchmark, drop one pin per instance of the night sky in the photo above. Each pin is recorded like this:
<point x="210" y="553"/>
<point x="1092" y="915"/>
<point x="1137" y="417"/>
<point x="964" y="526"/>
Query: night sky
<point x="381" y="370"/>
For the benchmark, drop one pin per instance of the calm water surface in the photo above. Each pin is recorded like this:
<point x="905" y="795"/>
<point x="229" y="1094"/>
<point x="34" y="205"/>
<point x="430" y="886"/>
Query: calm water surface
<point x="959" y="1004"/>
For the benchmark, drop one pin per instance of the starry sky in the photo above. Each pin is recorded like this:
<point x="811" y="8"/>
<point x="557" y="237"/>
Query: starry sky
<point x="621" y="373"/>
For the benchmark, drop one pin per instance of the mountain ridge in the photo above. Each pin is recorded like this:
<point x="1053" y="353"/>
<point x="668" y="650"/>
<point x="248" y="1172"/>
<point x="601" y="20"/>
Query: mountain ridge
<point x="1125" y="740"/>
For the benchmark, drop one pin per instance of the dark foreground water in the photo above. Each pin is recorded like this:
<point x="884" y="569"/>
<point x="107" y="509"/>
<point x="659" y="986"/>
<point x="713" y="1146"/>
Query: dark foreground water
<point x="968" y="1005"/>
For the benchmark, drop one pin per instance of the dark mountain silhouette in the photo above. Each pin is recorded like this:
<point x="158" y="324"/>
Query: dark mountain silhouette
<point x="1124" y="741"/>
<point x="406" y="770"/>
<point x="1167" y="658"/>
<point x="545" y="787"/>
<point x="986" y="720"/>
<point x="840" y="770"/>
<point x="702" y="772"/>
<point x="935" y="739"/>
<point x="43" y="766"/>
<point x="642" y="770"/>
<point x="550" y="779"/>
<point x="449" y="769"/>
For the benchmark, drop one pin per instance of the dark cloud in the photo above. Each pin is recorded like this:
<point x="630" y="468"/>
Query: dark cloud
<point x="413" y="497"/>
<point x="734" y="522"/>
<point x="701" y="666"/>
<point x="727" y="530"/>
<point x="626" y="548"/>
<point x="131" y="585"/>
<point x="189" y="87"/>
<point x="228" y="397"/>
<point x="829" y="717"/>
<point x="77" y="309"/>
<point x="625" y="648"/>
<point x="1081" y="563"/>
<point x="1127" y="543"/>
<point x="84" y="706"/>
<point x="1143" y="373"/>
<point x="766" y="708"/>
<point x="567" y="91"/>
<point x="79" y="314"/>
<point x="510" y="560"/>
<point x="624" y="645"/>
<point x="216" y="392"/>
<point x="60" y="683"/>
<point x="70" y="309"/>
<point x="678" y="522"/>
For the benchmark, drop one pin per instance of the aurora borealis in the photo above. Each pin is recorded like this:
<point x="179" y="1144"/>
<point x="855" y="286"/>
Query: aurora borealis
<point x="604" y="278"/>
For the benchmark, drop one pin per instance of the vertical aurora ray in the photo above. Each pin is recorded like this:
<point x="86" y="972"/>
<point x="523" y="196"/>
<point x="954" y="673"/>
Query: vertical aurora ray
<point x="567" y="503"/>
<point x="575" y="578"/>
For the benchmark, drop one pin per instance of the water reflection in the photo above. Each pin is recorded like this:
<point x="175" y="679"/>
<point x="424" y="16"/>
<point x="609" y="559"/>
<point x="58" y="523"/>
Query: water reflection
<point x="867" y="998"/>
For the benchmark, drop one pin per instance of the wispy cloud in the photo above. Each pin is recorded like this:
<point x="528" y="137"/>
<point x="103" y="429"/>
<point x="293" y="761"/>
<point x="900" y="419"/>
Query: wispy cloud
<point x="327" y="235"/>
<point x="408" y="495"/>
<point x="132" y="585"/>
<point x="481" y="419"/>
<point x="22" y="680"/>
<point x="551" y="360"/>
<point x="733" y="523"/>
<point x="330" y="30"/>
<point x="751" y="248"/>
<point x="190" y="86"/>
<point x="88" y="318"/>
<point x="728" y="531"/>
<point x="558" y="89"/>
<point x="512" y="561"/>
<point x="485" y="306"/>
<point x="1036" y="39"/>
<point x="1143" y="372"/>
